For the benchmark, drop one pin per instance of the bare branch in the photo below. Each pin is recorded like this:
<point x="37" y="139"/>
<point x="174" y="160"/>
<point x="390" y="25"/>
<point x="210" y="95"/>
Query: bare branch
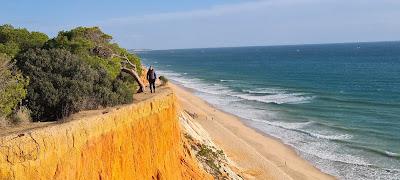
<point x="131" y="71"/>
<point x="136" y="76"/>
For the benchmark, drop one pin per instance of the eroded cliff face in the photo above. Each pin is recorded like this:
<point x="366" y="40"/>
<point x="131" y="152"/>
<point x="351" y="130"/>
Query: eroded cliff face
<point x="139" y="141"/>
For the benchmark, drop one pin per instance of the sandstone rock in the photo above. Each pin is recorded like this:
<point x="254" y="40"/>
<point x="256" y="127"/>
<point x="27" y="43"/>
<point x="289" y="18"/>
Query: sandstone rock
<point x="138" y="141"/>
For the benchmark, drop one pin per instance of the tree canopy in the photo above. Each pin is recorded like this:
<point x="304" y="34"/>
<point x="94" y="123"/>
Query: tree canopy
<point x="94" y="47"/>
<point x="62" y="84"/>
<point x="13" y="40"/>
<point x="76" y="70"/>
<point x="12" y="86"/>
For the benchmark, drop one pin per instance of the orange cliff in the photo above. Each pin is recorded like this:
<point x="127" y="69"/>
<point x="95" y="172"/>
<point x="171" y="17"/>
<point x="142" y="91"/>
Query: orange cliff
<point x="138" y="141"/>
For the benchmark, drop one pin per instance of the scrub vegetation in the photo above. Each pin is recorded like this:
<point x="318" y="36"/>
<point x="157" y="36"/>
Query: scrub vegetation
<point x="164" y="80"/>
<point x="45" y="79"/>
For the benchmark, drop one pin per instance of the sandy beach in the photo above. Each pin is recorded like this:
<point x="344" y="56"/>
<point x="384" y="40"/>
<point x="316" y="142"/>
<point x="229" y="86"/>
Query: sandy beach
<point x="256" y="156"/>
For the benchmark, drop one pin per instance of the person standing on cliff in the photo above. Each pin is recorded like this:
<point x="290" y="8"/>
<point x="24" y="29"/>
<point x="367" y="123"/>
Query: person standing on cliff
<point x="151" y="77"/>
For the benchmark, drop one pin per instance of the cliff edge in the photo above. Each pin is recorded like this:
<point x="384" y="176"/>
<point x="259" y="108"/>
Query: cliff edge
<point x="137" y="141"/>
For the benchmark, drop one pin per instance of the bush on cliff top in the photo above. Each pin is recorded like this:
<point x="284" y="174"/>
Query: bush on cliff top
<point x="94" y="47"/>
<point x="61" y="84"/>
<point x="79" y="69"/>
<point x="12" y="86"/>
<point x="164" y="80"/>
<point x="12" y="83"/>
<point x="13" y="40"/>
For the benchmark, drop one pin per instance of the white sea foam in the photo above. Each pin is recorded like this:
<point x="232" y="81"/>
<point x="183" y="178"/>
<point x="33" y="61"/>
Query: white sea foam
<point x="197" y="84"/>
<point x="248" y="112"/>
<point x="298" y="126"/>
<point x="281" y="98"/>
<point x="313" y="144"/>
<point x="265" y="91"/>
<point x="392" y="154"/>
<point x="226" y="80"/>
<point x="277" y="96"/>
<point x="332" y="137"/>
<point x="330" y="156"/>
<point x="322" y="148"/>
<point x="286" y="125"/>
<point x="169" y="74"/>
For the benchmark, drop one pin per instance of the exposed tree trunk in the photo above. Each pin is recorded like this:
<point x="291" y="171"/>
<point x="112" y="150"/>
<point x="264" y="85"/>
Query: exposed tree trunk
<point x="131" y="71"/>
<point x="135" y="76"/>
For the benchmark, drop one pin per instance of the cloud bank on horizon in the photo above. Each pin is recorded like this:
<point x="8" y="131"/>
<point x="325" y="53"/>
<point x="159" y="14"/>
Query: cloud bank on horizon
<point x="230" y="23"/>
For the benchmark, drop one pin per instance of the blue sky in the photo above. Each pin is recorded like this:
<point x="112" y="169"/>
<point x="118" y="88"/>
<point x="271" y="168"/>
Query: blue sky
<point x="160" y="24"/>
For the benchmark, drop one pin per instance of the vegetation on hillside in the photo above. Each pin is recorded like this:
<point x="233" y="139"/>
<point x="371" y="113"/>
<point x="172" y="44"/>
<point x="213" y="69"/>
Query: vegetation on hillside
<point x="76" y="70"/>
<point x="12" y="86"/>
<point x="213" y="160"/>
<point x="164" y="80"/>
<point x="13" y="41"/>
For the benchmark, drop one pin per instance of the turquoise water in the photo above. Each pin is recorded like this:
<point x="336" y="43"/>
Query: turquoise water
<point x="337" y="105"/>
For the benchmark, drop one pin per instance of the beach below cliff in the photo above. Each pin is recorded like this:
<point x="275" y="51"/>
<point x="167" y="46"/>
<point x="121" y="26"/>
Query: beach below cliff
<point x="255" y="155"/>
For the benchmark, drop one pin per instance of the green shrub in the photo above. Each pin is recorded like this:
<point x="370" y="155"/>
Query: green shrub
<point x="10" y="48"/>
<point x="211" y="157"/>
<point x="61" y="84"/>
<point x="163" y="80"/>
<point x="79" y="69"/>
<point x="12" y="87"/>
<point x="22" y="116"/>
<point x="13" y="40"/>
<point x="95" y="47"/>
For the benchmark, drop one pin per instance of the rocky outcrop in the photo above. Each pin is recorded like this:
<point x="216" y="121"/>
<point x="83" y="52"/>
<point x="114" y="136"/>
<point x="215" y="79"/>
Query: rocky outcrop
<point x="138" y="141"/>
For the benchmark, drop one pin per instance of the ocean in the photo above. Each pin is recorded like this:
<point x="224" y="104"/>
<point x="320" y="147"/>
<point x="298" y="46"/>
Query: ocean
<point x="337" y="105"/>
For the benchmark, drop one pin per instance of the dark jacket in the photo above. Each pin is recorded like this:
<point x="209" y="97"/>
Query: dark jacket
<point x="151" y="75"/>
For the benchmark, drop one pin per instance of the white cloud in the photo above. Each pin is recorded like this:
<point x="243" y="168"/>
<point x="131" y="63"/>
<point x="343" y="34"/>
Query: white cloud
<point x="264" y="22"/>
<point x="218" y="10"/>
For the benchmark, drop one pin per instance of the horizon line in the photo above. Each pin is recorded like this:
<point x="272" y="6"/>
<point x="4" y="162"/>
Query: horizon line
<point x="277" y="45"/>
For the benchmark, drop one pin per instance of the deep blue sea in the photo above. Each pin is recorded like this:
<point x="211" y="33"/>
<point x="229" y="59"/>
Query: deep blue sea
<point x="337" y="105"/>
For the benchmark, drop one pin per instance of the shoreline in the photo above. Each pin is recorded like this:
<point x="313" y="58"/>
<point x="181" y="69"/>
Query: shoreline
<point x="242" y="120"/>
<point x="257" y="154"/>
